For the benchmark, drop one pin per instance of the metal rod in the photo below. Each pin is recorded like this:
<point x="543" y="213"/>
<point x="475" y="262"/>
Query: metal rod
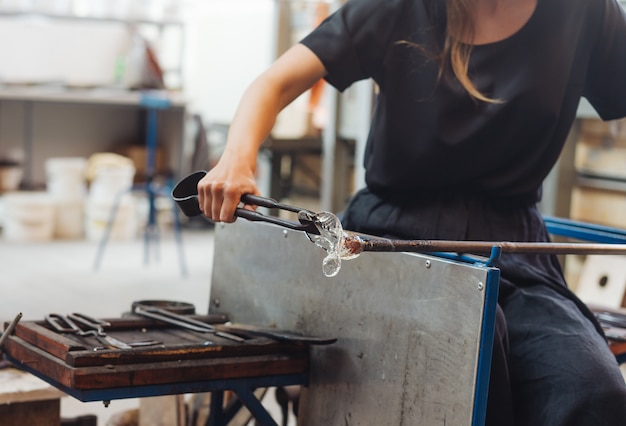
<point x="444" y="246"/>
<point x="9" y="330"/>
<point x="184" y="321"/>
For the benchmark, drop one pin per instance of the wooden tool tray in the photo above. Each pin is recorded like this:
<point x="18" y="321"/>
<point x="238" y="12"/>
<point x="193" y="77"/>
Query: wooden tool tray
<point x="182" y="357"/>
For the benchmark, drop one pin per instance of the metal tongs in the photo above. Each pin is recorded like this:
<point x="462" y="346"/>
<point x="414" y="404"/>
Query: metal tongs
<point x="185" y="194"/>
<point x="69" y="324"/>
<point x="305" y="217"/>
<point x="183" y="321"/>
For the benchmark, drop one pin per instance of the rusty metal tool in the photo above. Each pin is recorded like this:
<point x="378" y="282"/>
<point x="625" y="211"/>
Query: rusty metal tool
<point x="7" y="331"/>
<point x="277" y="334"/>
<point x="69" y="324"/>
<point x="185" y="194"/>
<point x="183" y="321"/>
<point x="446" y="246"/>
<point x="96" y="327"/>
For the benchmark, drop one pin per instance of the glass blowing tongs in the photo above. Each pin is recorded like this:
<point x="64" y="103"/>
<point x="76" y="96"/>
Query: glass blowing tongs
<point x="185" y="194"/>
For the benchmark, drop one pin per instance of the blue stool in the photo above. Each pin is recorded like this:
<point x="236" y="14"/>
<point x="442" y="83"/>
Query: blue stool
<point x="152" y="102"/>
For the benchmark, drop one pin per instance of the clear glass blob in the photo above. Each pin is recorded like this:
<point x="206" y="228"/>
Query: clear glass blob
<point x="331" y="265"/>
<point x="337" y="243"/>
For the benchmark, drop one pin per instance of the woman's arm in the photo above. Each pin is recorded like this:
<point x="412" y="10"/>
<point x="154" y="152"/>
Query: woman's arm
<point x="290" y="76"/>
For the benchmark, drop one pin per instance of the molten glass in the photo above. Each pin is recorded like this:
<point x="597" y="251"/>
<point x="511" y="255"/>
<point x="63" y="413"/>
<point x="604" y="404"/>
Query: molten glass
<point x="338" y="244"/>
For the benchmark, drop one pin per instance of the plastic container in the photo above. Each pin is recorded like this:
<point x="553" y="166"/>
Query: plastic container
<point x="66" y="177"/>
<point x="69" y="219"/>
<point x="98" y="213"/>
<point x="28" y="216"/>
<point x="110" y="182"/>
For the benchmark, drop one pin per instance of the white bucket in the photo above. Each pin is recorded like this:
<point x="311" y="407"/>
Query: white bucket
<point x="28" y="216"/>
<point x="110" y="182"/>
<point x="98" y="214"/>
<point x="69" y="218"/>
<point x="66" y="177"/>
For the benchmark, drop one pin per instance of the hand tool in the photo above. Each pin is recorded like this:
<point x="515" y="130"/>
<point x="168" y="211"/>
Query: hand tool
<point x="9" y="330"/>
<point x="276" y="334"/>
<point x="66" y="324"/>
<point x="185" y="194"/>
<point x="183" y="321"/>
<point x="69" y="324"/>
<point x="445" y="246"/>
<point x="98" y="326"/>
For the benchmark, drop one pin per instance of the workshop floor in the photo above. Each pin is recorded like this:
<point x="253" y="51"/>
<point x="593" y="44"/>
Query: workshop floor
<point x="58" y="276"/>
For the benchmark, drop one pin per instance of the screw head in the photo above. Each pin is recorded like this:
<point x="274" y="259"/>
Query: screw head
<point x="480" y="285"/>
<point x="428" y="263"/>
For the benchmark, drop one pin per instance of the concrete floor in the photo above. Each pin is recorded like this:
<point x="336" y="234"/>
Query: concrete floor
<point x="58" y="276"/>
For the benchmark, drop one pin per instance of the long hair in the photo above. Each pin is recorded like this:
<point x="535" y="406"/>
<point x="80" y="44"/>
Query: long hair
<point x="457" y="25"/>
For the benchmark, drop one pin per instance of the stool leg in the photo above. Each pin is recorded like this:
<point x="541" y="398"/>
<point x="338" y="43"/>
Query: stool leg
<point x="107" y="230"/>
<point x="216" y="413"/>
<point x="151" y="233"/>
<point x="178" y="234"/>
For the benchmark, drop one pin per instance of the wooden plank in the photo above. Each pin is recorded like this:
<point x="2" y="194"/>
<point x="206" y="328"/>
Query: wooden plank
<point x="177" y="371"/>
<point x="173" y="352"/>
<point x="116" y="376"/>
<point x="40" y="413"/>
<point x="53" y="343"/>
<point x="39" y="360"/>
<point x="175" y="343"/>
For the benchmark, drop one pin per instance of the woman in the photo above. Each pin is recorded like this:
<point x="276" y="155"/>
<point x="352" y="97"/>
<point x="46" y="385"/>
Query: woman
<point x="476" y="100"/>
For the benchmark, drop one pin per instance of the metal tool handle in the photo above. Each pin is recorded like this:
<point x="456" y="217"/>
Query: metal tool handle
<point x="62" y="324"/>
<point x="9" y="330"/>
<point x="87" y="321"/>
<point x="174" y="319"/>
<point x="254" y="216"/>
<point x="270" y="203"/>
<point x="183" y="321"/>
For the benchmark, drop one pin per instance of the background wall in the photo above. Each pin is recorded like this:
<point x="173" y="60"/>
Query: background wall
<point x="225" y="44"/>
<point x="229" y="42"/>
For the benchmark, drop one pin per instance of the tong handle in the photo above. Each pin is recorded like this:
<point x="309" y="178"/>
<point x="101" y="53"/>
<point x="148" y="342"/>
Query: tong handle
<point x="183" y="321"/>
<point x="270" y="203"/>
<point x="61" y="323"/>
<point x="92" y="323"/>
<point x="254" y="216"/>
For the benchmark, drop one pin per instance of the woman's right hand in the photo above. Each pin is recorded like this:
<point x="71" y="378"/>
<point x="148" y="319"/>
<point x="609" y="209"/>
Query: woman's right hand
<point x="220" y="190"/>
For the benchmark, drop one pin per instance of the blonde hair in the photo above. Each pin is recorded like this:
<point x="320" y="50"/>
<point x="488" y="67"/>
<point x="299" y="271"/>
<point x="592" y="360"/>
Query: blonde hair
<point x="457" y="47"/>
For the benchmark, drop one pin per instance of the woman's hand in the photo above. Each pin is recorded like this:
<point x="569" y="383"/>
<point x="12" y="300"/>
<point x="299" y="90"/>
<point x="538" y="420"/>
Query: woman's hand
<point x="220" y="190"/>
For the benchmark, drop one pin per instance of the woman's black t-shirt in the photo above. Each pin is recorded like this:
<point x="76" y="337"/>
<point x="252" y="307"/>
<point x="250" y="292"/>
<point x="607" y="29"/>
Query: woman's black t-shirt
<point x="428" y="135"/>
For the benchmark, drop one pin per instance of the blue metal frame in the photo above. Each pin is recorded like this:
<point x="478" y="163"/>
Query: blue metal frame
<point x="486" y="346"/>
<point x="585" y="231"/>
<point x="487" y="333"/>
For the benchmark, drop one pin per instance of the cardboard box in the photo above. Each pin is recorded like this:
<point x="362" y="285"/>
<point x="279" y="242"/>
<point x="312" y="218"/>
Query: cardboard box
<point x="139" y="156"/>
<point x="600" y="206"/>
